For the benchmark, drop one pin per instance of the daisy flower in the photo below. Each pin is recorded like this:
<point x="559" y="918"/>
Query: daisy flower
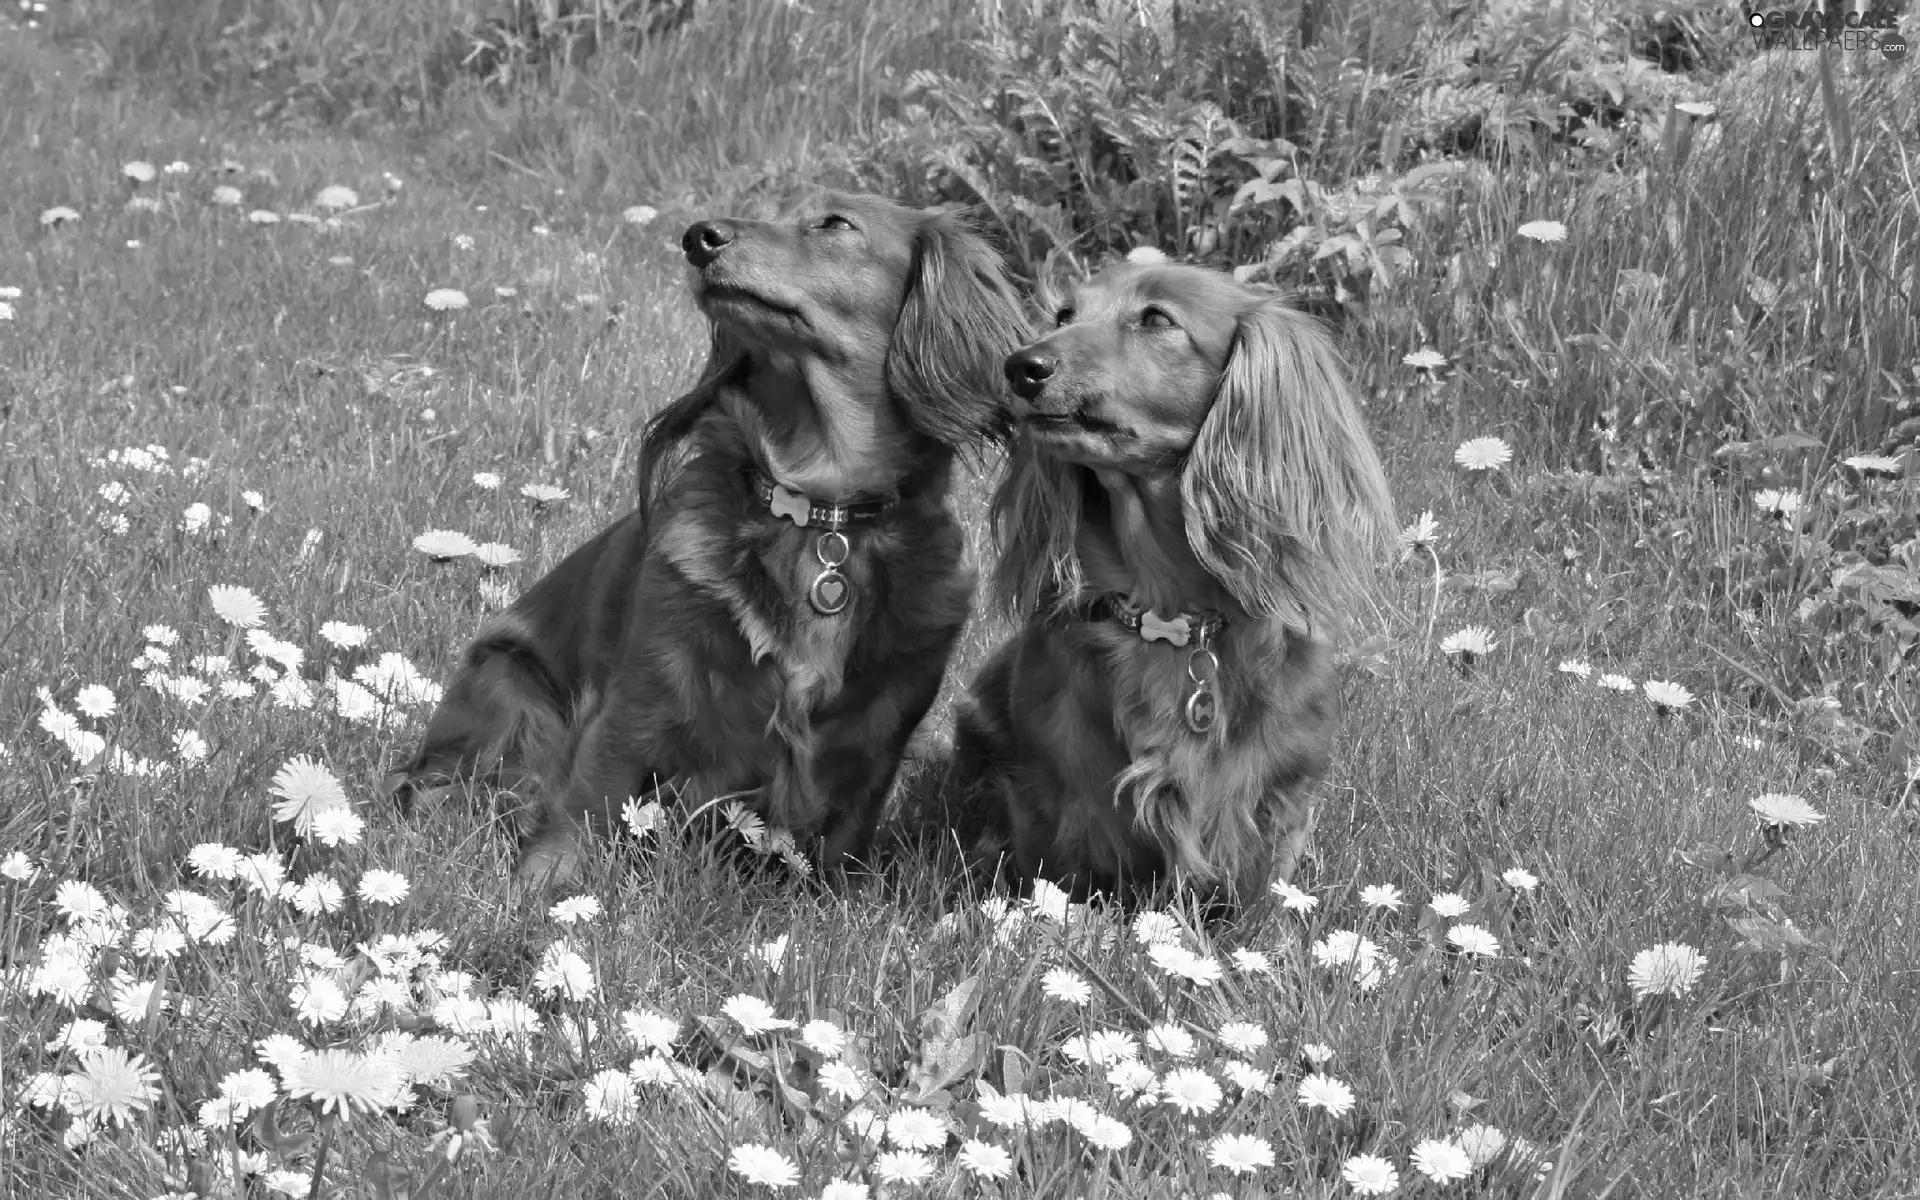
<point x="916" y="1129"/>
<point x="340" y="1080"/>
<point x="1183" y="963"/>
<point x="1171" y="1040"/>
<point x="1450" y="904"/>
<point x="1426" y="358"/>
<point x="1669" y="969"/>
<point x="903" y="1166"/>
<point x="543" y="494"/>
<point x="335" y="197"/>
<point x="237" y="606"/>
<point x="486" y="480"/>
<point x="1779" y="810"/>
<point x="444" y="545"/>
<point x="1616" y="683"/>
<point x="1325" y="1092"/>
<point x="563" y="973"/>
<point x="344" y="636"/>
<point x="1872" y="463"/>
<point x="1543" y="231"/>
<point x="1252" y="962"/>
<point x="824" y="1038"/>
<point x="753" y="1015"/>
<point x="95" y="701"/>
<point x="80" y="901"/>
<point x="1191" y="1090"/>
<point x="57" y="216"/>
<point x="846" y="1189"/>
<point x="1247" y="1077"/>
<point x="1317" y="1054"/>
<point x="1696" y="108"/>
<point x="1292" y="898"/>
<point x="1474" y="940"/>
<point x="1242" y="1037"/>
<point x="1151" y="927"/>
<point x="434" y="1062"/>
<point x="1131" y="1077"/>
<point x="18" y="867"/>
<point x="1575" y="668"/>
<point x="380" y="886"/>
<point x="1105" y="1133"/>
<point x="1066" y="986"/>
<point x="1469" y="643"/>
<point x="1666" y="697"/>
<point x="1381" y="895"/>
<point x="1101" y="1047"/>
<point x="1482" y="1143"/>
<point x="226" y="196"/>
<point x="984" y="1160"/>
<point x="318" y="1001"/>
<point x="1520" y="879"/>
<point x="1370" y="1175"/>
<point x="262" y="216"/>
<point x="639" y="214"/>
<point x="843" y="1080"/>
<point x="445" y="300"/>
<point x="642" y="819"/>
<point x="495" y="555"/>
<point x="574" y="909"/>
<point x="111" y="1086"/>
<point x="1441" y="1161"/>
<point x="1240" y="1153"/>
<point x="213" y="860"/>
<point x="1483" y="454"/>
<point x="138" y="172"/>
<point x="190" y="746"/>
<point x="1777" y="505"/>
<point x="1344" y="948"/>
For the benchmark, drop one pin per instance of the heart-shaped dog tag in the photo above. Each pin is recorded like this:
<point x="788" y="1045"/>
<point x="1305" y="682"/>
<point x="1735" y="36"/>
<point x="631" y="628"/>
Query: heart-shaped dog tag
<point x="828" y="593"/>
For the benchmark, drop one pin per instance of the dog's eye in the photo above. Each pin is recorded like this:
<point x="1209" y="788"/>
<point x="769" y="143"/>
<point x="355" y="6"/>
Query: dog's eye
<point x="835" y="221"/>
<point x="1155" y="318"/>
<point x="1063" y="316"/>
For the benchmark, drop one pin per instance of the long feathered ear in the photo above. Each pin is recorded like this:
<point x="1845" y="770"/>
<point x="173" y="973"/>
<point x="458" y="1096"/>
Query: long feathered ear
<point x="960" y="320"/>
<point x="667" y="428"/>
<point x="1284" y="497"/>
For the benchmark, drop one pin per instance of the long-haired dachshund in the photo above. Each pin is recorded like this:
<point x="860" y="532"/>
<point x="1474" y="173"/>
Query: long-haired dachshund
<point x="1192" y="504"/>
<point x="775" y="619"/>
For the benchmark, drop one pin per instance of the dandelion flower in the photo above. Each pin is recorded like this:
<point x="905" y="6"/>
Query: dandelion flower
<point x="651" y="1030"/>
<point x="237" y="606"/>
<point x="340" y="1080"/>
<point x="1482" y="1143"/>
<point x="1327" y="1093"/>
<point x="306" y="790"/>
<point x="111" y="1086"/>
<point x="1669" y="969"/>
<point x="18" y="867"/>
<point x="1778" y="505"/>
<point x="139" y="172"/>
<point x="1483" y="454"/>
<point x="1345" y="948"/>
<point x="916" y="1129"/>
<point x="446" y="300"/>
<point x="609" y="1097"/>
<point x="495" y="555"/>
<point x="1696" y="108"/>
<point x="1242" y="1037"/>
<point x="1151" y="927"/>
<point x="1252" y="962"/>
<point x="317" y="895"/>
<point x="1616" y="683"/>
<point x="903" y="1166"/>
<point x="1543" y="231"/>
<point x="318" y="1001"/>
<point x="1474" y="940"/>
<point x="1470" y="642"/>
<point x="95" y="700"/>
<point x="79" y="901"/>
<point x="57" y="216"/>
<point x="1868" y="464"/>
<point x="843" y="1080"/>
<point x="543" y="494"/>
<point x="1424" y="359"/>
<point x="1779" y="810"/>
<point x="434" y="1062"/>
<point x="1575" y="668"/>
<point x="1183" y="963"/>
<point x="824" y="1038"/>
<point x="1104" y="1132"/>
<point x="642" y="819"/>
<point x="486" y="480"/>
<point x="1101" y="1047"/>
<point x="1450" y="904"/>
<point x="564" y="973"/>
<point x="1381" y="895"/>
<point x="1171" y="1040"/>
<point x="846" y="1189"/>
<point x="226" y="196"/>
<point x="1191" y="1090"/>
<point x="1441" y="1161"/>
<point x="754" y="1015"/>
<point x="380" y="886"/>
<point x="213" y="860"/>
<point x="1247" y="1077"/>
<point x="1317" y="1054"/>
<point x="1066" y="986"/>
<point x="344" y="636"/>
<point x="263" y="216"/>
<point x="1520" y="879"/>
<point x="1240" y="1153"/>
<point x="444" y="545"/>
<point x="334" y="197"/>
<point x="574" y="909"/>
<point x="639" y="214"/>
<point x="1666" y="697"/>
<point x="984" y="1160"/>
<point x="1420" y="535"/>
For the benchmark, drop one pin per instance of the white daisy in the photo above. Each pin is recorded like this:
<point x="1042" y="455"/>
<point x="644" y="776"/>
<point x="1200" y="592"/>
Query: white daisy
<point x="1325" y="1092"/>
<point x="1669" y="969"/>
<point x="446" y="300"/>
<point x="1780" y="810"/>
<point x="1474" y="940"/>
<point x="1066" y="986"/>
<point x="1240" y="1153"/>
<point x="1441" y="1161"/>
<point x="1543" y="231"/>
<point x="1483" y="454"/>
<point x="1381" y="895"/>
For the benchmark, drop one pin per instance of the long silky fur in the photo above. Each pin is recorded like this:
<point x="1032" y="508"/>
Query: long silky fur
<point x="1284" y="501"/>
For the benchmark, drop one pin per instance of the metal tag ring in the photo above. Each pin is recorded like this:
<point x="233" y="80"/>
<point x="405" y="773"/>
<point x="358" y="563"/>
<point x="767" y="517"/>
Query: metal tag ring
<point x="1213" y="666"/>
<point x="835" y="557"/>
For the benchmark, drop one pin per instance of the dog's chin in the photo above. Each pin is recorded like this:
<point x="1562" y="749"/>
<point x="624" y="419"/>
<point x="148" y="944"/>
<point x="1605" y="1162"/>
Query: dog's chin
<point x="743" y="309"/>
<point x="1072" y="436"/>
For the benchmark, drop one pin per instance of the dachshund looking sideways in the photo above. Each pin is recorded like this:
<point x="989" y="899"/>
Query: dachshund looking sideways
<point x="1192" y="504"/>
<point x="775" y="618"/>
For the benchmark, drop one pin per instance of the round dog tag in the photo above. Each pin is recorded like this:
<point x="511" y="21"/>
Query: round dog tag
<point x="831" y="588"/>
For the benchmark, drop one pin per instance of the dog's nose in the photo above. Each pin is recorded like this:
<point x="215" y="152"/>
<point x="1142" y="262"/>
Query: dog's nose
<point x="1029" y="370"/>
<point x="704" y="242"/>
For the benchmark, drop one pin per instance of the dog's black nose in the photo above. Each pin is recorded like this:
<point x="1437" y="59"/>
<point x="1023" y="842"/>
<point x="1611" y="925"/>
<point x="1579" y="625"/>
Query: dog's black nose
<point x="1029" y="370"/>
<point x="704" y="242"/>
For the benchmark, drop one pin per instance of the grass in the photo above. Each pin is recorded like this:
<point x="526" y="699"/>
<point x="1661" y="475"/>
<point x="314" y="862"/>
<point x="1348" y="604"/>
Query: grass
<point x="299" y="363"/>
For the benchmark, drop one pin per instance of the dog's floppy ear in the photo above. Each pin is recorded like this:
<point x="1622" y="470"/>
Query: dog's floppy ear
<point x="960" y="320"/>
<point x="1284" y="497"/>
<point x="1035" y="518"/>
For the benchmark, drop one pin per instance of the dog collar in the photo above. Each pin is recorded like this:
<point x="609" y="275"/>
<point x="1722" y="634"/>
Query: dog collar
<point x="783" y="501"/>
<point x="1177" y="630"/>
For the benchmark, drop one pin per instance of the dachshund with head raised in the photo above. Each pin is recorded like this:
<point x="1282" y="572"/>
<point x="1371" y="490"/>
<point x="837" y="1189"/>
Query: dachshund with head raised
<point x="775" y="619"/>
<point x="1191" y="506"/>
